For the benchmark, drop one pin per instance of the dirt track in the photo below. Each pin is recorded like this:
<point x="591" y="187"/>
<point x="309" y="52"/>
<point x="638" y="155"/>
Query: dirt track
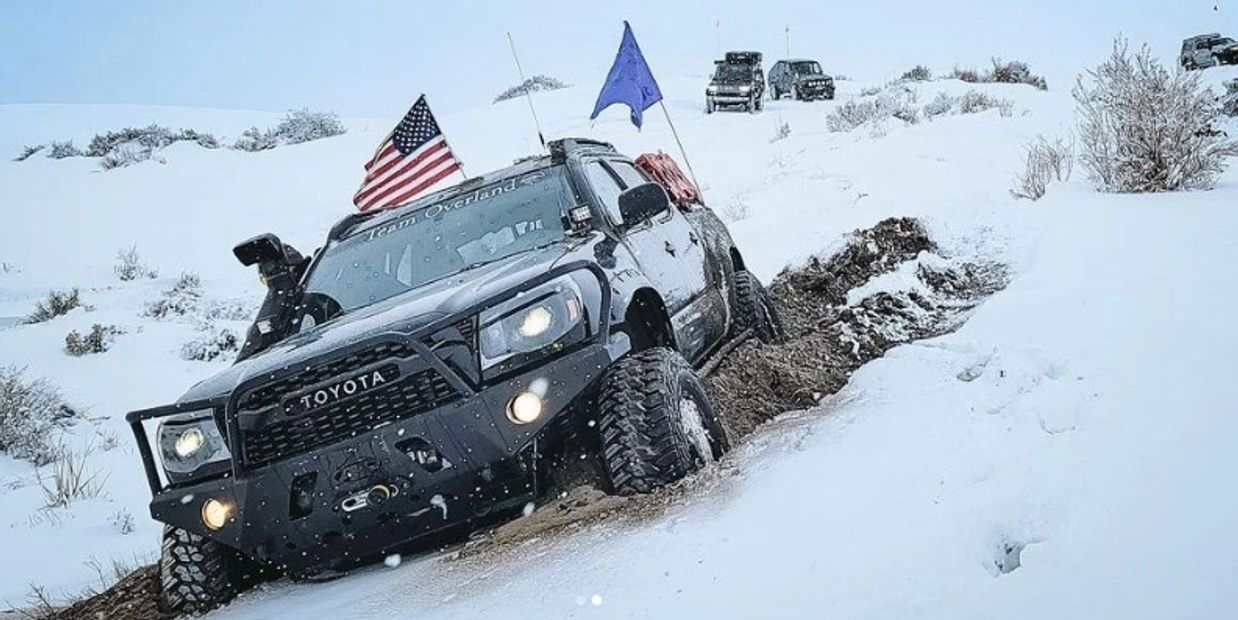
<point x="827" y="340"/>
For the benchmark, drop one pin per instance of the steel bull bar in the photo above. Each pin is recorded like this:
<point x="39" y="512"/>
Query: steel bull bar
<point x="225" y="407"/>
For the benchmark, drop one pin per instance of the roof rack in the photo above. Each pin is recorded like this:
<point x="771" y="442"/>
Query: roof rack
<point x="559" y="149"/>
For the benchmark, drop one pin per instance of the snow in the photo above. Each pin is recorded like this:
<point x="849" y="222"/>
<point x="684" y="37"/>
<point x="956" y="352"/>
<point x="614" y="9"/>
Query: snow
<point x="1069" y="448"/>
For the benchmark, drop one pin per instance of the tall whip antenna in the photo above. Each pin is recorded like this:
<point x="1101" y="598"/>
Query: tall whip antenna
<point x="527" y="91"/>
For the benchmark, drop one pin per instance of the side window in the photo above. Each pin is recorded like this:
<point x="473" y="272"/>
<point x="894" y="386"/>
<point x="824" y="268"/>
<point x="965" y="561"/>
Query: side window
<point x="628" y="173"/>
<point x="606" y="189"/>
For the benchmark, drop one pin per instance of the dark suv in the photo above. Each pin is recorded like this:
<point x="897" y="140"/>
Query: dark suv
<point x="1207" y="50"/>
<point x="738" y="82"/>
<point x="802" y="79"/>
<point x="433" y="365"/>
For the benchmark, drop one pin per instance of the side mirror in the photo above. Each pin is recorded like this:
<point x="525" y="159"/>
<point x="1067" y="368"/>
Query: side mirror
<point x="642" y="203"/>
<point x="260" y="249"/>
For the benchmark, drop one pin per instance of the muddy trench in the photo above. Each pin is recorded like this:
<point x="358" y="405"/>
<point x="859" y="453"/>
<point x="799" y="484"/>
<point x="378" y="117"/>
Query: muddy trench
<point x="829" y="336"/>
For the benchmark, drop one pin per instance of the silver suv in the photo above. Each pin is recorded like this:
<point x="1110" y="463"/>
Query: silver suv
<point x="1208" y="50"/>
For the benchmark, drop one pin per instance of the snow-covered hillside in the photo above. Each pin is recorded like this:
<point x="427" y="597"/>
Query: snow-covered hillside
<point x="1085" y="415"/>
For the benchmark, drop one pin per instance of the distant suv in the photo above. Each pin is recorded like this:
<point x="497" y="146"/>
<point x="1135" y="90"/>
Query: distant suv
<point x="1208" y="50"/>
<point x="431" y="366"/>
<point x="738" y="82"/>
<point x="802" y="79"/>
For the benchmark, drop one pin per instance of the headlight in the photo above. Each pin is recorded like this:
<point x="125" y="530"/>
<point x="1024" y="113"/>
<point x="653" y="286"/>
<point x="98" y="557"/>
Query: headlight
<point x="711" y="90"/>
<point x="744" y="90"/>
<point x="543" y="320"/>
<point x="189" y="441"/>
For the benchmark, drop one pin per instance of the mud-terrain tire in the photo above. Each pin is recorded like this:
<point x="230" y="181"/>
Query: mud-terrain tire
<point x="196" y="573"/>
<point x="709" y="106"/>
<point x="655" y="421"/>
<point x="756" y="309"/>
<point x="759" y="104"/>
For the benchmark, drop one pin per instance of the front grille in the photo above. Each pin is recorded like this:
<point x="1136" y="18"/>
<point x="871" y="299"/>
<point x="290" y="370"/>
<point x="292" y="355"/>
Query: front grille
<point x="414" y="394"/>
<point x="270" y="394"/>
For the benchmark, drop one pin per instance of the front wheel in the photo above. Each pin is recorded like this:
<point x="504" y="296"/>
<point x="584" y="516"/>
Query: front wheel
<point x="655" y="422"/>
<point x="756" y="309"/>
<point x="197" y="574"/>
<point x="709" y="106"/>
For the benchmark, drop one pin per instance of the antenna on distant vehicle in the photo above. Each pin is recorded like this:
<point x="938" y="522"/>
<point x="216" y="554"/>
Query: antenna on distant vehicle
<point x="528" y="95"/>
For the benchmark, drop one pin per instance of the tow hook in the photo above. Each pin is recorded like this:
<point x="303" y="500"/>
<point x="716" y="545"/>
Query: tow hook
<point x="375" y="496"/>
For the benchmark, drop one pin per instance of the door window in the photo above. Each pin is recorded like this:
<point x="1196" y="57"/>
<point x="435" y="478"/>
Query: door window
<point x="628" y="173"/>
<point x="606" y="189"/>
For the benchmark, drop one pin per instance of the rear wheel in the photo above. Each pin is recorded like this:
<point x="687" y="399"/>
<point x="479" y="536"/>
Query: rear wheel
<point x="756" y="309"/>
<point x="759" y="104"/>
<point x="197" y="574"/>
<point x="656" y="423"/>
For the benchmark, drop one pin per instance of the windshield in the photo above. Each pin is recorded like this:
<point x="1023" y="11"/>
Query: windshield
<point x="458" y="232"/>
<point x="806" y="68"/>
<point x="733" y="73"/>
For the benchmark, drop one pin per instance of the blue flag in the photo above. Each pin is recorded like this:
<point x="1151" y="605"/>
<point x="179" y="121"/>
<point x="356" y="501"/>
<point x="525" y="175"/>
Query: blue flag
<point x="630" y="82"/>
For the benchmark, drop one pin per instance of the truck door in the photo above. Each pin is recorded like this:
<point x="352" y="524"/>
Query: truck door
<point x="700" y="324"/>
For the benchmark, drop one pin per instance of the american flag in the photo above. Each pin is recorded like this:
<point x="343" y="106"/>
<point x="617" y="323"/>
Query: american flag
<point x="414" y="157"/>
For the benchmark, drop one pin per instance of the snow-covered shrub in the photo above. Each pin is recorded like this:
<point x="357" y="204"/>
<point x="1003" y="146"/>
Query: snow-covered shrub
<point x="97" y="340"/>
<point x="531" y="85"/>
<point x="30" y="409"/>
<point x="1044" y="162"/>
<point x="125" y="156"/>
<point x="61" y="150"/>
<point x="869" y="91"/>
<point x="1014" y="72"/>
<point x="212" y="344"/>
<point x="965" y="75"/>
<point x="147" y="139"/>
<point x="28" y="151"/>
<point x="1143" y="128"/>
<point x="58" y="303"/>
<point x="782" y="129"/>
<point x="1229" y="101"/>
<point x="254" y="139"/>
<point x="918" y="73"/>
<point x="296" y="127"/>
<point x="179" y="300"/>
<point x="974" y="101"/>
<point x="839" y="77"/>
<point x="299" y="126"/>
<point x="72" y="478"/>
<point x="894" y="102"/>
<point x="942" y="104"/>
<point x="129" y="266"/>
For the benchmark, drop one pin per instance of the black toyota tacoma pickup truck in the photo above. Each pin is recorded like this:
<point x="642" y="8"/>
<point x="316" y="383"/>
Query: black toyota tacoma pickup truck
<point x="424" y="370"/>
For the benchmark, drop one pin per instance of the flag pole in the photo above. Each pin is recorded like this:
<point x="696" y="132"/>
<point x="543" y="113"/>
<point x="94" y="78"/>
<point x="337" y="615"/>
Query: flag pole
<point x="528" y="95"/>
<point x="682" y="150"/>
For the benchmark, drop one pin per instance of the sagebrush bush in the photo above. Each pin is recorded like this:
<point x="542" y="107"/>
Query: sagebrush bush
<point x="296" y="127"/>
<point x="58" y="303"/>
<point x="974" y="101"/>
<point x="1143" y="128"/>
<point x="1044" y="162"/>
<point x="179" y="300"/>
<point x="28" y="151"/>
<point x="1015" y="72"/>
<point x="531" y="85"/>
<point x="62" y="150"/>
<point x="97" y="340"/>
<point x="30" y="410"/>
<point x="149" y="138"/>
<point x="894" y="102"/>
<point x="869" y="91"/>
<point x="970" y="76"/>
<point x="129" y="266"/>
<point x="1229" y="101"/>
<point x="918" y="73"/>
<point x="213" y="343"/>
<point x="123" y="156"/>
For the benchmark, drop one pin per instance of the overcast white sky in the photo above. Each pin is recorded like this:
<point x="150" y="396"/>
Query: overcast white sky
<point x="372" y="58"/>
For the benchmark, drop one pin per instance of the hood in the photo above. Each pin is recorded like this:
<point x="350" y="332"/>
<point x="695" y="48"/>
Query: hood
<point x="404" y="312"/>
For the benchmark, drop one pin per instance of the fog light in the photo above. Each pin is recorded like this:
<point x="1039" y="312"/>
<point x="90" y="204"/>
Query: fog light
<point x="524" y="408"/>
<point x="215" y="513"/>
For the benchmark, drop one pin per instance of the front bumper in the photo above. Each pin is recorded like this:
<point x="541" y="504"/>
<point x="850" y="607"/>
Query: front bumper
<point x="400" y="479"/>
<point x="812" y="93"/>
